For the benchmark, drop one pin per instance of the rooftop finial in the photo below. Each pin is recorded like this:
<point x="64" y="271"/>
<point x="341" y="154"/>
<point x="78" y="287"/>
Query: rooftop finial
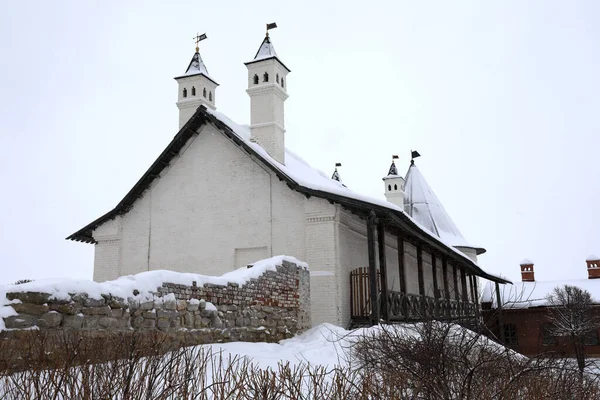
<point x="413" y="154"/>
<point x="198" y="38"/>
<point x="393" y="170"/>
<point x="272" y="25"/>
<point x="336" y="174"/>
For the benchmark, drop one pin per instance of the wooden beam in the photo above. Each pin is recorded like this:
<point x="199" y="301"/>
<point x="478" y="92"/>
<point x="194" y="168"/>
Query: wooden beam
<point x="436" y="291"/>
<point x="400" y="243"/>
<point x="445" y="275"/>
<point x="499" y="311"/>
<point x="446" y="285"/>
<point x="383" y="270"/>
<point x="372" y="268"/>
<point x="455" y="276"/>
<point x="463" y="282"/>
<point x="421" y="279"/>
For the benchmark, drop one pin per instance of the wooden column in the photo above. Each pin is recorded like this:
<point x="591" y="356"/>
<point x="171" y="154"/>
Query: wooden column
<point x="435" y="280"/>
<point x="472" y="287"/>
<point x="372" y="269"/>
<point x="402" y="276"/>
<point x="383" y="270"/>
<point x="499" y="311"/>
<point x="455" y="276"/>
<point x="463" y="282"/>
<point x="421" y="279"/>
<point x="436" y="291"/>
<point x="446" y="286"/>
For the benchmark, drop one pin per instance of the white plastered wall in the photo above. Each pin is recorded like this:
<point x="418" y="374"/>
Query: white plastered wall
<point x="211" y="200"/>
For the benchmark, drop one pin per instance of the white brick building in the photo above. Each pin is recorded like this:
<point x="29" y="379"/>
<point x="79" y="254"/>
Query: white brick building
<point x="222" y="195"/>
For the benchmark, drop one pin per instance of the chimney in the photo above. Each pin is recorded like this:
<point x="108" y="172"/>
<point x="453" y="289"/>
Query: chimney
<point x="593" y="266"/>
<point x="527" y="271"/>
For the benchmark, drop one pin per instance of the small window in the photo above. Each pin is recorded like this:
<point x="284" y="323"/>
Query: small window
<point x="193" y="91"/>
<point x="209" y="96"/>
<point x="265" y="77"/>
<point x="548" y="336"/>
<point x="255" y="79"/>
<point x="204" y="92"/>
<point x="591" y="338"/>
<point x="390" y="188"/>
<point x="395" y="187"/>
<point x="282" y="82"/>
<point x="184" y="92"/>
<point x="510" y="334"/>
<point x="277" y="78"/>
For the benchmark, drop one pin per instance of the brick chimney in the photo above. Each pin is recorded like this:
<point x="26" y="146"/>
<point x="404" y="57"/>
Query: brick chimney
<point x="593" y="266"/>
<point x="527" y="271"/>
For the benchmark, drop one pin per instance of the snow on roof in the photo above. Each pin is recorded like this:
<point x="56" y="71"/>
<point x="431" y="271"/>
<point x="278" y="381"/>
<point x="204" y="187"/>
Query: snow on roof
<point x="196" y="67"/>
<point x="592" y="257"/>
<point x="534" y="294"/>
<point x="145" y="283"/>
<point x="266" y="50"/>
<point x="422" y="204"/>
<point x="302" y="173"/>
<point x="526" y="261"/>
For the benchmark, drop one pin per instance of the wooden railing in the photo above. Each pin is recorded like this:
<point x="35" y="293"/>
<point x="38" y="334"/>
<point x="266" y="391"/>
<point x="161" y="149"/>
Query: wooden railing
<point x="405" y="307"/>
<point x="402" y="306"/>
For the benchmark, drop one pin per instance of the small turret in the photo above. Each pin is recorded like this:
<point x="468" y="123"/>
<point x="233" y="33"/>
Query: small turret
<point x="394" y="185"/>
<point x="336" y="174"/>
<point x="267" y="88"/>
<point x="195" y="87"/>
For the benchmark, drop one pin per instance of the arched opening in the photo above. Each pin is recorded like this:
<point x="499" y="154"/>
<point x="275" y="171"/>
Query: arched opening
<point x="277" y="78"/>
<point x="395" y="187"/>
<point x="204" y="92"/>
<point x="390" y="188"/>
<point x="266" y="77"/>
<point x="255" y="79"/>
<point x="184" y="92"/>
<point x="282" y="82"/>
<point x="210" y="96"/>
<point x="193" y="91"/>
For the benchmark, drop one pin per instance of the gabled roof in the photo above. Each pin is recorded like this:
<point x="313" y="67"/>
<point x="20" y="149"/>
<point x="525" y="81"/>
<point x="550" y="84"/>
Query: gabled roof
<point x="266" y="51"/>
<point x="298" y="176"/>
<point x="197" y="67"/>
<point x="421" y="203"/>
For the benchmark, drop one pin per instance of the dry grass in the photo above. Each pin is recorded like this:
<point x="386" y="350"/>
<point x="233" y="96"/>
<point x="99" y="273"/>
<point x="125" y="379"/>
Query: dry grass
<point x="429" y="361"/>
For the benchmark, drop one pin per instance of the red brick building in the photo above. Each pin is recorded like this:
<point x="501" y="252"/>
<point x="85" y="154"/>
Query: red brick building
<point x="521" y="321"/>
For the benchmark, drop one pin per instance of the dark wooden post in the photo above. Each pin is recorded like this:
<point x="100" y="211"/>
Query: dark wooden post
<point x="421" y="279"/>
<point x="402" y="276"/>
<point x="372" y="269"/>
<point x="455" y="276"/>
<point x="383" y="269"/>
<point x="435" y="284"/>
<point x="472" y="287"/>
<point x="446" y="286"/>
<point x="499" y="311"/>
<point x="465" y="296"/>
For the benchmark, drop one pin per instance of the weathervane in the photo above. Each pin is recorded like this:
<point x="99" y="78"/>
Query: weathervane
<point x="272" y="25"/>
<point x="198" y="38"/>
<point x="413" y="154"/>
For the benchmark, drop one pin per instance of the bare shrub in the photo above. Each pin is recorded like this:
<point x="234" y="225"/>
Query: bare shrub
<point x="434" y="360"/>
<point x="424" y="361"/>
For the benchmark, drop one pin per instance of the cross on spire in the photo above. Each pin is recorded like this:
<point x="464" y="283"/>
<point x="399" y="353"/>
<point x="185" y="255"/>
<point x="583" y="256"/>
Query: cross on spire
<point x="198" y="38"/>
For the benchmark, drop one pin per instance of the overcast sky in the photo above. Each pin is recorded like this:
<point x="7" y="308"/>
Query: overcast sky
<point x="501" y="98"/>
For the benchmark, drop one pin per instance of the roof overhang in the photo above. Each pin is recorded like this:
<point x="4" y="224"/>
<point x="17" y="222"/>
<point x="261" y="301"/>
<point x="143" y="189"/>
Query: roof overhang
<point x="394" y="219"/>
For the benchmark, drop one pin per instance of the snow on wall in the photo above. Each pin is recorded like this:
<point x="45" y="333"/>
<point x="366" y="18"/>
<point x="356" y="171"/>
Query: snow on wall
<point x="273" y="293"/>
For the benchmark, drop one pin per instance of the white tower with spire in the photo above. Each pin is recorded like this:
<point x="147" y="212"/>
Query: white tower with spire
<point x="394" y="185"/>
<point x="195" y="87"/>
<point x="267" y="88"/>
